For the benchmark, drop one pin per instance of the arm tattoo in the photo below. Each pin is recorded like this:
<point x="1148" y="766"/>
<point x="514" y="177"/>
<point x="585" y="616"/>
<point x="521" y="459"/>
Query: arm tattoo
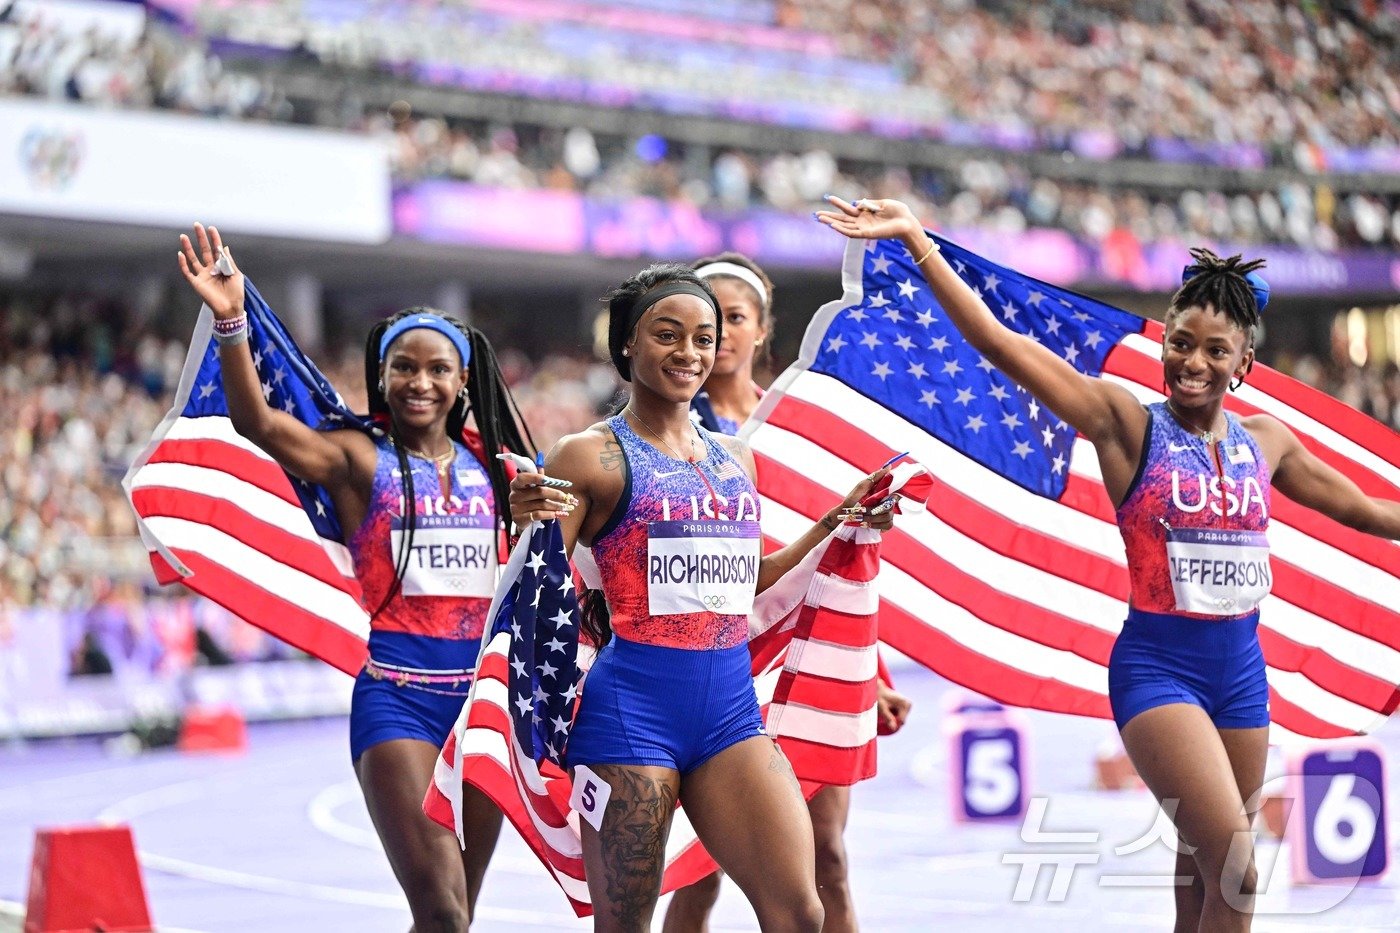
<point x="612" y="456"/>
<point x="635" y="826"/>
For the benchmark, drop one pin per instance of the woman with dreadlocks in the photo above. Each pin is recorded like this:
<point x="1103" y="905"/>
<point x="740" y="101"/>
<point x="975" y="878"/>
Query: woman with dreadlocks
<point x="418" y="505"/>
<point x="1191" y="484"/>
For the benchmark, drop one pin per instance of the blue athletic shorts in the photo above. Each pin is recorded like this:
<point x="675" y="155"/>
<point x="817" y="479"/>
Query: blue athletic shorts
<point x="381" y="709"/>
<point x="1217" y="665"/>
<point x="672" y="707"/>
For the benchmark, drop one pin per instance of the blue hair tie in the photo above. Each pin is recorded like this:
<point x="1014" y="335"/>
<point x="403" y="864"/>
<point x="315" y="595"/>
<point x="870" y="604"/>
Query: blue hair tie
<point x="1257" y="285"/>
<point x="427" y="322"/>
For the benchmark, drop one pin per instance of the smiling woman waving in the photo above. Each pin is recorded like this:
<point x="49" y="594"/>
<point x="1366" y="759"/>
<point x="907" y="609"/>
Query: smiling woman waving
<point x="425" y="373"/>
<point x="1191" y="485"/>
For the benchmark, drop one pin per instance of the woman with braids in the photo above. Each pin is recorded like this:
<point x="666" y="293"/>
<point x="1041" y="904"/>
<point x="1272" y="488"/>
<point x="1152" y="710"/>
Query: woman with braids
<point x="1191" y="484"/>
<point x="668" y="710"/>
<point x="730" y="395"/>
<point x="418" y="503"/>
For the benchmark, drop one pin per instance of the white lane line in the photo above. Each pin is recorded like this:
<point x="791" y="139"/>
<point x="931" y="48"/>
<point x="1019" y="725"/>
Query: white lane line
<point x="333" y="893"/>
<point x="322" y="811"/>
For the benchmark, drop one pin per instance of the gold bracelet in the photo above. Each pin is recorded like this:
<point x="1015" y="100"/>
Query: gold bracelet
<point x="933" y="247"/>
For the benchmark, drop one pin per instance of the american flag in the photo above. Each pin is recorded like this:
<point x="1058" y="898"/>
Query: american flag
<point x="814" y="667"/>
<point x="510" y="735"/>
<point x="1014" y="583"/>
<point x="217" y="514"/>
<point x="813" y="638"/>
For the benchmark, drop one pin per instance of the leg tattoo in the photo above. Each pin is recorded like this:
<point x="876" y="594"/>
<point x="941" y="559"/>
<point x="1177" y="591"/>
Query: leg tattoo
<point x="779" y="763"/>
<point x="635" y="827"/>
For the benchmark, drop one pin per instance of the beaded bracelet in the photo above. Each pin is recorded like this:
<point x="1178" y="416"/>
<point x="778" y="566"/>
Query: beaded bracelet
<point x="231" y="331"/>
<point x="229" y="325"/>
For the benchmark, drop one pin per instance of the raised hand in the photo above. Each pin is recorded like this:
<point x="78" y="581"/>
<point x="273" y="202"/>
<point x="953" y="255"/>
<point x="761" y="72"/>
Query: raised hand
<point x="871" y="219"/>
<point x="222" y="293"/>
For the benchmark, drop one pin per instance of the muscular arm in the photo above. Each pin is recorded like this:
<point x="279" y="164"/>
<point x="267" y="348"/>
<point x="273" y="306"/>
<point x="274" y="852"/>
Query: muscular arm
<point x="1104" y="413"/>
<point x="325" y="457"/>
<point x="774" y="565"/>
<point x="593" y="461"/>
<point x="1304" y="478"/>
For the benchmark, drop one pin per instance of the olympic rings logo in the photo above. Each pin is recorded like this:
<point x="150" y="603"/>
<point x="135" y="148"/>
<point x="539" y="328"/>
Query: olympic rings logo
<point x="715" y="602"/>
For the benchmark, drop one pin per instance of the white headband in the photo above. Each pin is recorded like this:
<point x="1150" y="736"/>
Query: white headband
<point x="739" y="272"/>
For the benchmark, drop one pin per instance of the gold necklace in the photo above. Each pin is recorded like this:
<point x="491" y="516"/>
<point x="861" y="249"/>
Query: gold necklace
<point x="1207" y="436"/>
<point x="656" y="434"/>
<point x="442" y="460"/>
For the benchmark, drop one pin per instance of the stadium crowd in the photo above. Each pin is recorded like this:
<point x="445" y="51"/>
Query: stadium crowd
<point x="995" y="193"/>
<point x="1289" y="76"/>
<point x="86" y="385"/>
<point x="156" y="68"/>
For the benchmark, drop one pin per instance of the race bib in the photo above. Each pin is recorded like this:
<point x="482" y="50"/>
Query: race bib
<point x="1218" y="572"/>
<point x="451" y="555"/>
<point x="702" y="566"/>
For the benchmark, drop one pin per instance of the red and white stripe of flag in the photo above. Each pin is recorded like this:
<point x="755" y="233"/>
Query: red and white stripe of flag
<point x="220" y="516"/>
<point x="482" y="750"/>
<point x="815" y="661"/>
<point x="1020" y="597"/>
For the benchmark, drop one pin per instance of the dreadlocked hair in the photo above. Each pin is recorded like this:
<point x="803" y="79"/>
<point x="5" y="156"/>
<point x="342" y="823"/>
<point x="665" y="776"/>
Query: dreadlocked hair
<point x="765" y="307"/>
<point x="1220" y="284"/>
<point x="623" y="299"/>
<point x="497" y="418"/>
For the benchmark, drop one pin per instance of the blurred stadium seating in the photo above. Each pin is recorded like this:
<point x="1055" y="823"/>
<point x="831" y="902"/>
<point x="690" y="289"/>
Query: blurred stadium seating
<point x="511" y="158"/>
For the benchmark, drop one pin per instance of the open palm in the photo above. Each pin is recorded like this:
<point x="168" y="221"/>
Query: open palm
<point x="222" y="293"/>
<point x="870" y="218"/>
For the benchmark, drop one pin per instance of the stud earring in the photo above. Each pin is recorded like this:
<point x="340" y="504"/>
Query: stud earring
<point x="381" y="387"/>
<point x="758" y="342"/>
<point x="626" y="352"/>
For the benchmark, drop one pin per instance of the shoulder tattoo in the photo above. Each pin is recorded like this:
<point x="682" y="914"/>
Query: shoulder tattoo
<point x="611" y="457"/>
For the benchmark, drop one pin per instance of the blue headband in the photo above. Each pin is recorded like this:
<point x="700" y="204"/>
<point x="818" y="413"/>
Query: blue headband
<point x="1257" y="285"/>
<point x="427" y="322"/>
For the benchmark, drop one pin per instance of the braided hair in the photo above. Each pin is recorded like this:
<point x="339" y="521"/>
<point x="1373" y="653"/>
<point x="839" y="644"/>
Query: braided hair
<point x="1221" y="284"/>
<point x="498" y="422"/>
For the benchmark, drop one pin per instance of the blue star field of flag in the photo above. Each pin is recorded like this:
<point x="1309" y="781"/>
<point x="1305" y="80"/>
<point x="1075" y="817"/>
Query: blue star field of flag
<point x="898" y="348"/>
<point x="290" y="382"/>
<point x="540" y="610"/>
